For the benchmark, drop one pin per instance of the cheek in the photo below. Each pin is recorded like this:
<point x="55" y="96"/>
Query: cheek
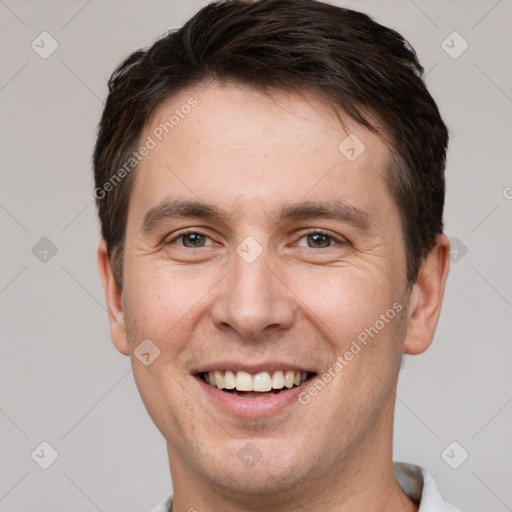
<point x="343" y="302"/>
<point x="163" y="394"/>
<point x="158" y="300"/>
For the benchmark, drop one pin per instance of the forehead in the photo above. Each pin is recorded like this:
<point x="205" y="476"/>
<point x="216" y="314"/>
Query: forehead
<point x="237" y="146"/>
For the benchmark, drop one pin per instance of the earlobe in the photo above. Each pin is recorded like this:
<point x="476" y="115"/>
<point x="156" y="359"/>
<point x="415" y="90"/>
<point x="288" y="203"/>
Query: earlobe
<point x="426" y="298"/>
<point x="113" y="299"/>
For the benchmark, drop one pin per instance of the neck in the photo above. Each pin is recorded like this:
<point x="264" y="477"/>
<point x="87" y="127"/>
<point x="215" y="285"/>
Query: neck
<point x="363" y="481"/>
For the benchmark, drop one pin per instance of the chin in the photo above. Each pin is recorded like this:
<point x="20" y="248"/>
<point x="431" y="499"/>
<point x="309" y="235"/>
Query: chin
<point x="258" y="468"/>
<point x="259" y="482"/>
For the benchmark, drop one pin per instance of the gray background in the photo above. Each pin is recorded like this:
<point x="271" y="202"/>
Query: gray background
<point x="62" y="381"/>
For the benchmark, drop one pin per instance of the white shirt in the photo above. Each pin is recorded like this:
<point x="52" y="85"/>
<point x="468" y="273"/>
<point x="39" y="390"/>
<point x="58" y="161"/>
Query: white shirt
<point x="416" y="482"/>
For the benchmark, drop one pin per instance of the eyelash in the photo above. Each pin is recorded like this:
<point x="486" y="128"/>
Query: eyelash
<point x="339" y="241"/>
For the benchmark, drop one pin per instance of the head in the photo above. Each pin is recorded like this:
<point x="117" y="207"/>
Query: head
<point x="270" y="186"/>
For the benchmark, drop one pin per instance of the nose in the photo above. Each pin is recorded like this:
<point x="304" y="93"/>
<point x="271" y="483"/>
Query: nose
<point x="253" y="299"/>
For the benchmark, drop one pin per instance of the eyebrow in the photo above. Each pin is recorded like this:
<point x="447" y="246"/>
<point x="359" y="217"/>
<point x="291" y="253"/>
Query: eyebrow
<point x="334" y="210"/>
<point x="180" y="209"/>
<point x="173" y="208"/>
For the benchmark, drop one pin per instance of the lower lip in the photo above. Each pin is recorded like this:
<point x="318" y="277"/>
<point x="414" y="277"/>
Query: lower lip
<point x="252" y="407"/>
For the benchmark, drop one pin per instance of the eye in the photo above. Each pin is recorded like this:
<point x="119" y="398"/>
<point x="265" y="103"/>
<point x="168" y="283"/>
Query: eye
<point x="190" y="239"/>
<point x="319" y="240"/>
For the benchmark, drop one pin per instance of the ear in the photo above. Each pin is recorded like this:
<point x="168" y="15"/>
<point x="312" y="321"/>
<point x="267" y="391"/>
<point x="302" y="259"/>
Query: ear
<point x="427" y="297"/>
<point x="113" y="299"/>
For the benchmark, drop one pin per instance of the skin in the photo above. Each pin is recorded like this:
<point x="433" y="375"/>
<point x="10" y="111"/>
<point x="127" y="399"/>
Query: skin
<point x="303" y="301"/>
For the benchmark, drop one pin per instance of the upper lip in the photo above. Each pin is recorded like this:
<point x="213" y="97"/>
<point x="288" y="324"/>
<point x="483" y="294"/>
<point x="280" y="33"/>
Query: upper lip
<point x="235" y="366"/>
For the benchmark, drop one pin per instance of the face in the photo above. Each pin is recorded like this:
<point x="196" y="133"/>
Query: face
<point x="256" y="245"/>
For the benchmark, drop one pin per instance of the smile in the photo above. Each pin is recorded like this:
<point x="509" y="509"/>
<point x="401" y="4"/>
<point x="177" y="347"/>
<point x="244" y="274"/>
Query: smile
<point x="252" y="390"/>
<point x="258" y="385"/>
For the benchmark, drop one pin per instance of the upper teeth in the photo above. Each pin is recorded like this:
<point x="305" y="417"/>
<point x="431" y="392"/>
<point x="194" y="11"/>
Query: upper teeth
<point x="263" y="381"/>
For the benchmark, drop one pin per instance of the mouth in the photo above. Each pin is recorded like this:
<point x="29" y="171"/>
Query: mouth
<point x="259" y="385"/>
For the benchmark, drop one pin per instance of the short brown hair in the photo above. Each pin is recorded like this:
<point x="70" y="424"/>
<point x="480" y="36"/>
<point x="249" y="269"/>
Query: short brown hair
<point x="366" y="69"/>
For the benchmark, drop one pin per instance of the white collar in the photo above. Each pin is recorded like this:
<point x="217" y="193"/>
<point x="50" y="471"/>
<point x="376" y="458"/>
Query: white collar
<point x="421" y="487"/>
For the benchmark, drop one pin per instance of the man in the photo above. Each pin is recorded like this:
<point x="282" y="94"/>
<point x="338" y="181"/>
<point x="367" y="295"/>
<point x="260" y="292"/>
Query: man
<point x="270" y="187"/>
